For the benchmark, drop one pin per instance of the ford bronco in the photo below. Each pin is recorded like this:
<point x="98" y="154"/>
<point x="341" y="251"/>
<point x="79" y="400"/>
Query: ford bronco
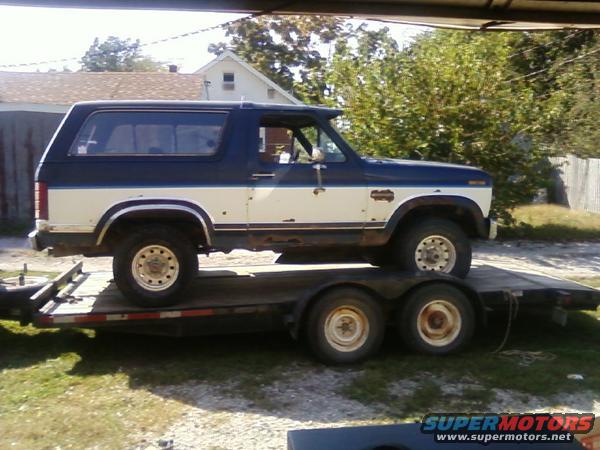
<point x="155" y="183"/>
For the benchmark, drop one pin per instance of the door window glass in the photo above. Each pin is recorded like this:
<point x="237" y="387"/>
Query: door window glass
<point x="289" y="139"/>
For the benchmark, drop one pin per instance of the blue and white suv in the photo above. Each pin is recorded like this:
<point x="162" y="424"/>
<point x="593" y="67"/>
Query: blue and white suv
<point x="155" y="183"/>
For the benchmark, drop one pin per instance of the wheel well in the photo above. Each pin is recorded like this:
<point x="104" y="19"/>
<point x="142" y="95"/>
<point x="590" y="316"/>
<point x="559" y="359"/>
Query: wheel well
<point x="455" y="213"/>
<point x="185" y="223"/>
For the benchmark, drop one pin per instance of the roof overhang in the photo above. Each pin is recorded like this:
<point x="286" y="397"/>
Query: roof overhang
<point x="466" y="14"/>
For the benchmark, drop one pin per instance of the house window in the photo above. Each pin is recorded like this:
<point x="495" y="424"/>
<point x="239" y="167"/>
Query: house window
<point x="271" y="93"/>
<point x="228" y="81"/>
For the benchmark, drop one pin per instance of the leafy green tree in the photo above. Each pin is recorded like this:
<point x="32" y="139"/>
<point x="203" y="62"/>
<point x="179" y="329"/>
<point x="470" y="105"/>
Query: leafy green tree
<point x="117" y="55"/>
<point x="568" y="88"/>
<point x="576" y="107"/>
<point x="287" y="49"/>
<point x="444" y="98"/>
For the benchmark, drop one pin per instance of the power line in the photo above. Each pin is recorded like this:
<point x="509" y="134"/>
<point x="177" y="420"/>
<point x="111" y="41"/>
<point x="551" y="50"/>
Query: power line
<point x="146" y="44"/>
<point x="562" y="63"/>
<point x="156" y="41"/>
<point x="546" y="44"/>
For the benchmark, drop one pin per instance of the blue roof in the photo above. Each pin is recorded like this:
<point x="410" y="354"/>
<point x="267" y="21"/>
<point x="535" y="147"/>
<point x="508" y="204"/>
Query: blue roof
<point x="328" y="112"/>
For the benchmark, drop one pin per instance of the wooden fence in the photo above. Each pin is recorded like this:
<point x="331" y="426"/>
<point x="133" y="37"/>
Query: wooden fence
<point x="23" y="138"/>
<point x="578" y="182"/>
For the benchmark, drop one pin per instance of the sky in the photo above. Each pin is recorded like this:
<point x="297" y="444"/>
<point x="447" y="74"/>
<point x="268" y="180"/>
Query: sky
<point x="30" y="35"/>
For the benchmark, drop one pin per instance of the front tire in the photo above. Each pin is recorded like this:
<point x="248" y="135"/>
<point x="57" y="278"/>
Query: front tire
<point x="153" y="267"/>
<point x="437" y="319"/>
<point x="345" y="326"/>
<point x="436" y="245"/>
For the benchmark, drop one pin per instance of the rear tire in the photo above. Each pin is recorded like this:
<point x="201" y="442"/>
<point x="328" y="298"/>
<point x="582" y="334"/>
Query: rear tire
<point x="153" y="267"/>
<point x="345" y="326"/>
<point x="433" y="245"/>
<point x="437" y="319"/>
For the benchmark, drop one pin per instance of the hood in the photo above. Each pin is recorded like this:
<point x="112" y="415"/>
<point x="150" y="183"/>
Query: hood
<point x="423" y="173"/>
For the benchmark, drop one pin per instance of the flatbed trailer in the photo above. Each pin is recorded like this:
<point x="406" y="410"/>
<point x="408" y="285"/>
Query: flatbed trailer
<point x="343" y="311"/>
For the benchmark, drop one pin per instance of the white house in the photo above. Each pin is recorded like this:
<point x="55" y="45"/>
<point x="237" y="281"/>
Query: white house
<point x="230" y="78"/>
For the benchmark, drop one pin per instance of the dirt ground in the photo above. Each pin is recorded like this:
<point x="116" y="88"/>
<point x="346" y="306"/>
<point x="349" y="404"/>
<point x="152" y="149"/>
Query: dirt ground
<point x="568" y="259"/>
<point x="219" y="419"/>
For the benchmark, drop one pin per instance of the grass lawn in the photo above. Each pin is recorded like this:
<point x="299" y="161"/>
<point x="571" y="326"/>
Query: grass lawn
<point x="573" y="349"/>
<point x="552" y="222"/>
<point x="75" y="388"/>
<point x="80" y="389"/>
<point x="31" y="273"/>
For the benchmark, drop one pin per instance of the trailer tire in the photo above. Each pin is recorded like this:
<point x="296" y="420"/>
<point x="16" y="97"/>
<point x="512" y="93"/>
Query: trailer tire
<point x="344" y="326"/>
<point x="445" y="244"/>
<point x="153" y="267"/>
<point x="437" y="319"/>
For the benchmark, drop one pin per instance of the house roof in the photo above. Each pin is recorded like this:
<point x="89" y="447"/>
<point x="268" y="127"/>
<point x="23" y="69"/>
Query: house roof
<point x="229" y="54"/>
<point x="68" y="88"/>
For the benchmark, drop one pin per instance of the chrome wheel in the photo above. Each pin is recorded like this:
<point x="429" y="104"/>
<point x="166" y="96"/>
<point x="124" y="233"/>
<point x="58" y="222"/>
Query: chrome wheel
<point x="439" y="322"/>
<point x="346" y="328"/>
<point x="155" y="268"/>
<point x="435" y="253"/>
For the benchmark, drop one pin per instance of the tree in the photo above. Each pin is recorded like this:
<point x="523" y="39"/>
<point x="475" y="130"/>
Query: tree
<point x="576" y="107"/>
<point x="567" y="80"/>
<point x="117" y="55"/>
<point x="447" y="98"/>
<point x="287" y="49"/>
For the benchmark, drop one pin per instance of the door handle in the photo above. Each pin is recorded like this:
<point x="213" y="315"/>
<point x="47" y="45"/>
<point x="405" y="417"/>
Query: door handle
<point x="256" y="176"/>
<point x="318" y="167"/>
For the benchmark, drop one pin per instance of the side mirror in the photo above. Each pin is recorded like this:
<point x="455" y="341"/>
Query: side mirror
<point x="318" y="155"/>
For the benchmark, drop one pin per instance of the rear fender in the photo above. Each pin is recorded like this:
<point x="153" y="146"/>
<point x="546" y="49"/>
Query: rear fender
<point x="152" y="208"/>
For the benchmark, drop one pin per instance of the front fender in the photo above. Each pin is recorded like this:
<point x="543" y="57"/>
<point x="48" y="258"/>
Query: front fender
<point x="464" y="203"/>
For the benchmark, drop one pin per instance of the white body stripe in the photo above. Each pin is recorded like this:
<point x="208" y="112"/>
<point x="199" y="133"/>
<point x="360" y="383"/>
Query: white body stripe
<point x="302" y="205"/>
<point x="79" y="210"/>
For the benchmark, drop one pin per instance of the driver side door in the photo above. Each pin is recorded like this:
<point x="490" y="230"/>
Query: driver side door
<point x="285" y="189"/>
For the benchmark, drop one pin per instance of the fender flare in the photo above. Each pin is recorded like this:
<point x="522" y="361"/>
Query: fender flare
<point x="124" y="208"/>
<point x="438" y="200"/>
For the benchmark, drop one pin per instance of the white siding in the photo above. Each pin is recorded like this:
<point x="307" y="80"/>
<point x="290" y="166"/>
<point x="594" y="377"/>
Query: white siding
<point x="247" y="85"/>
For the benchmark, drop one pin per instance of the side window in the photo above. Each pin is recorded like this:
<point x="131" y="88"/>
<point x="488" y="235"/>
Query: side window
<point x="150" y="133"/>
<point x="276" y="144"/>
<point x="289" y="139"/>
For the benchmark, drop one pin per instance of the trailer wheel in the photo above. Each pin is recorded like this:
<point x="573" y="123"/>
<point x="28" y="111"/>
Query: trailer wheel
<point x="434" y="245"/>
<point x="152" y="267"/>
<point x="437" y="319"/>
<point x="345" y="326"/>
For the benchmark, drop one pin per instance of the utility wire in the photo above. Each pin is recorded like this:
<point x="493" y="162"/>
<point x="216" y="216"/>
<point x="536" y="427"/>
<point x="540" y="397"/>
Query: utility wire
<point x="547" y="44"/>
<point x="562" y="63"/>
<point x="156" y="41"/>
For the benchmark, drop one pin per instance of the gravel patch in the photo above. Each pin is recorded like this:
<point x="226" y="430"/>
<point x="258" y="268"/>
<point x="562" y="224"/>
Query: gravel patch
<point x="557" y="259"/>
<point x="561" y="259"/>
<point x="217" y="418"/>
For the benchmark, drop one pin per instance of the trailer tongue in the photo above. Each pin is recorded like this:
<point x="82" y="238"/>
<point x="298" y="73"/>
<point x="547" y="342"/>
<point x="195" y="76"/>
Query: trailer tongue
<point x="343" y="310"/>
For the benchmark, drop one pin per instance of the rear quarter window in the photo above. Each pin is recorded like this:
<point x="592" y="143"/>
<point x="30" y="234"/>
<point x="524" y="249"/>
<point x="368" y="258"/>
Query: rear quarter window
<point x="114" y="133"/>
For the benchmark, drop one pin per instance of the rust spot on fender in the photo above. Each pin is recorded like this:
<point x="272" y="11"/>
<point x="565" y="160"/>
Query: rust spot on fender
<point x="382" y="196"/>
